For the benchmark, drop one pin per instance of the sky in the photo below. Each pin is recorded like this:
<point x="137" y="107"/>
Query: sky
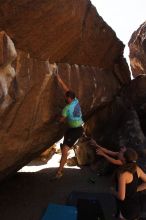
<point x="124" y="17"/>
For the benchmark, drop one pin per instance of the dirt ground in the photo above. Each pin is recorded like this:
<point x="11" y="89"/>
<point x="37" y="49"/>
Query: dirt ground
<point x="27" y="194"/>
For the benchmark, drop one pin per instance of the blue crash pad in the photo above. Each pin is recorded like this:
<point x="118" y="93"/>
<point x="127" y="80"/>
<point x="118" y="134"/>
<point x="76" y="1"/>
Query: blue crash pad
<point x="60" y="212"/>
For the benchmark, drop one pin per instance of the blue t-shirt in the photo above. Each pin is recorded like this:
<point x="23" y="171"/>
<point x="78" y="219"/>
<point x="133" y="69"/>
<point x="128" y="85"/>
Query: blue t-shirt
<point x="73" y="114"/>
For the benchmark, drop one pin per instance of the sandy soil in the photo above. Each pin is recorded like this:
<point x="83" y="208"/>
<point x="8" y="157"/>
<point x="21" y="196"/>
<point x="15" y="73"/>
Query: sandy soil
<point x="27" y="194"/>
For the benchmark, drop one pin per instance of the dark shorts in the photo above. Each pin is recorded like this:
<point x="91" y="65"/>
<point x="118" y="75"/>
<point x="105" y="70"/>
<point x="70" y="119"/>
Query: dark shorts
<point x="72" y="135"/>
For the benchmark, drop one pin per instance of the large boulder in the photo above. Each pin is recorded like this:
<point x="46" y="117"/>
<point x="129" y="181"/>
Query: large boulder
<point x="89" y="60"/>
<point x="28" y="115"/>
<point x="118" y="123"/>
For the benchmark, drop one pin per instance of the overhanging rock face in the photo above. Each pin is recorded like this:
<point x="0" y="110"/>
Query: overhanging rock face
<point x="89" y="59"/>
<point x="61" y="30"/>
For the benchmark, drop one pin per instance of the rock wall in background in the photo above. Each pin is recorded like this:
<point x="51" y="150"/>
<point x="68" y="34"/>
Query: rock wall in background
<point x="90" y="61"/>
<point x="137" y="47"/>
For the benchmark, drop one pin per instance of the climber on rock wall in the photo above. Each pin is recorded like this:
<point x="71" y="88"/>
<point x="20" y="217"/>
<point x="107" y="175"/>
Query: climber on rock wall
<point x="73" y="116"/>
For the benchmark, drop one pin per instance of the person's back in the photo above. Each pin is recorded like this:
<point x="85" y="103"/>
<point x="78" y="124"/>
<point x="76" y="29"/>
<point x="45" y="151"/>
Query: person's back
<point x="128" y="186"/>
<point x="72" y="112"/>
<point x="130" y="206"/>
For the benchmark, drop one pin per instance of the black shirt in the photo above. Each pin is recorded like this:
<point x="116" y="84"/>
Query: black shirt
<point x="130" y="206"/>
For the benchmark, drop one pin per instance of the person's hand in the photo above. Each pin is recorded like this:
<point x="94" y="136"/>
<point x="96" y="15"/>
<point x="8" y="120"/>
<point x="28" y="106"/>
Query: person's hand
<point x="99" y="152"/>
<point x="55" y="69"/>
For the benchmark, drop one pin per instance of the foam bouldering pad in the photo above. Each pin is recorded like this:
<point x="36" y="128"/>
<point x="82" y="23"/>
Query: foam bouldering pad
<point x="60" y="212"/>
<point x="94" y="205"/>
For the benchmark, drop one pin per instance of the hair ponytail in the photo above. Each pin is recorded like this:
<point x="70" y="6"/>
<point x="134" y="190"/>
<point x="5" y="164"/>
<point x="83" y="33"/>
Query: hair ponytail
<point x="130" y="165"/>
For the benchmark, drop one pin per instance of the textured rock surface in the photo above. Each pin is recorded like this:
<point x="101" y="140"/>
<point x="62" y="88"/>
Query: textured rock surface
<point x="89" y="58"/>
<point x="136" y="91"/>
<point x="118" y="124"/>
<point x="137" y="46"/>
<point x="137" y="94"/>
<point x="28" y="120"/>
<point x="85" y="152"/>
<point x="61" y="30"/>
<point x="7" y="72"/>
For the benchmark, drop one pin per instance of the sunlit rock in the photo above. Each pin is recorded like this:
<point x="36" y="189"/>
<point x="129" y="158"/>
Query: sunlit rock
<point x="137" y="46"/>
<point x="30" y="123"/>
<point x="62" y="31"/>
<point x="89" y="59"/>
<point x="7" y="73"/>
